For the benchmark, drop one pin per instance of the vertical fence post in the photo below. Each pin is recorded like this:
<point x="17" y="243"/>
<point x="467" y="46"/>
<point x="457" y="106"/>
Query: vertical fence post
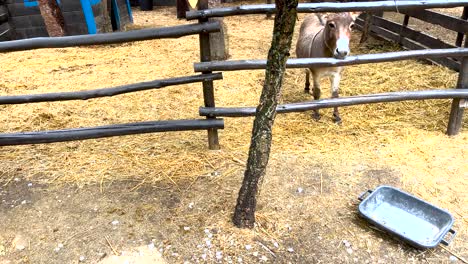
<point x="464" y="16"/>
<point x="404" y="25"/>
<point x="208" y="89"/>
<point x="268" y="15"/>
<point x="456" y="113"/>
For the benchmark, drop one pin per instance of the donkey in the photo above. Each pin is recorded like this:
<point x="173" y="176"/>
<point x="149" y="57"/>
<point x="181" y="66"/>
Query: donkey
<point x="325" y="36"/>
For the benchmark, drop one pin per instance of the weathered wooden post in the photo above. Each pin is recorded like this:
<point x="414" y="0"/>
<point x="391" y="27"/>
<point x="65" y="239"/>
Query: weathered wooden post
<point x="404" y="25"/>
<point x="208" y="89"/>
<point x="456" y="113"/>
<point x="219" y="44"/>
<point x="464" y="16"/>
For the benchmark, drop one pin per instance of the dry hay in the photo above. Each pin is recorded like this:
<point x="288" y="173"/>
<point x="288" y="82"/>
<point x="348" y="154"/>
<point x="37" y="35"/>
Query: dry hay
<point x="407" y="137"/>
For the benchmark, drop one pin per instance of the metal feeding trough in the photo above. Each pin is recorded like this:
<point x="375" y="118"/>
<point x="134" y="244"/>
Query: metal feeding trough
<point x="407" y="217"/>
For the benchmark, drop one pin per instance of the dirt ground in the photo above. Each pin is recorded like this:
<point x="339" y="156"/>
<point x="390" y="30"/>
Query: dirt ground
<point x="164" y="198"/>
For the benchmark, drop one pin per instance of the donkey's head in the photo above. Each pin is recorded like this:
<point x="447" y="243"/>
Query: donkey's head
<point x="337" y="32"/>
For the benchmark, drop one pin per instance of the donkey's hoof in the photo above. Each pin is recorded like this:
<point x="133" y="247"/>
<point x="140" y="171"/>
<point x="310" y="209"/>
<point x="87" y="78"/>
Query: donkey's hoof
<point x="307" y="90"/>
<point x="337" y="119"/>
<point x="316" y="116"/>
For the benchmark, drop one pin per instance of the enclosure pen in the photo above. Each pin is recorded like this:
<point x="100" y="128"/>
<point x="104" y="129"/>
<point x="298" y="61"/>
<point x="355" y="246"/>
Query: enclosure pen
<point x="450" y="56"/>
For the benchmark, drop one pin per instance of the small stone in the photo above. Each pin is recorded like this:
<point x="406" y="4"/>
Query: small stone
<point x="453" y="258"/>
<point x="219" y="255"/>
<point x="346" y="243"/>
<point x="23" y="202"/>
<point x="203" y="256"/>
<point x="349" y="250"/>
<point x="248" y="247"/>
<point x="255" y="254"/>
<point x="190" y="205"/>
<point x="263" y="258"/>
<point x="60" y="245"/>
<point x="29" y="184"/>
<point x="17" y="179"/>
<point x="290" y="249"/>
<point x="276" y="244"/>
<point x="82" y="258"/>
<point x="300" y="190"/>
<point x="19" y="242"/>
<point x="186" y="228"/>
<point x="208" y="243"/>
<point x="151" y="246"/>
<point x="20" y="247"/>
<point x="239" y="259"/>
<point x="115" y="222"/>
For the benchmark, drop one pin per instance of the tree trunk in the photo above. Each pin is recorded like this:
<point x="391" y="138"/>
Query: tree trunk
<point x="53" y="18"/>
<point x="259" y="152"/>
<point x="182" y="7"/>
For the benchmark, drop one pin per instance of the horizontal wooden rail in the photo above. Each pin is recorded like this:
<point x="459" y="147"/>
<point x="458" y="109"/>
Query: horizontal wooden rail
<point x="85" y="95"/>
<point x="327" y="62"/>
<point x="109" y="38"/>
<point x="446" y="21"/>
<point x="338" y="102"/>
<point x="326" y="7"/>
<point x="108" y="131"/>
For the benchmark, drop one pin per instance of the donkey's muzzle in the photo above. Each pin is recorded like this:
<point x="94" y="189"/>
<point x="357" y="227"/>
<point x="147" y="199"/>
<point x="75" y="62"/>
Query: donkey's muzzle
<point x="342" y="48"/>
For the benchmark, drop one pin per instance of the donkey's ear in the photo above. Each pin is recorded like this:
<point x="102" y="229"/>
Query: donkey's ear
<point x="354" y="15"/>
<point x="323" y="17"/>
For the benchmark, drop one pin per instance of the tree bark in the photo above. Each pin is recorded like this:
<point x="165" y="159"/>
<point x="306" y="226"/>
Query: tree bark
<point x="53" y="18"/>
<point x="260" y="145"/>
<point x="182" y="7"/>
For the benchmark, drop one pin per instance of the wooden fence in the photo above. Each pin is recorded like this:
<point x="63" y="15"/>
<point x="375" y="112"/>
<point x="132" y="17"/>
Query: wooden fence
<point x="415" y="39"/>
<point x="442" y="54"/>
<point x="109" y="130"/>
<point x="206" y="67"/>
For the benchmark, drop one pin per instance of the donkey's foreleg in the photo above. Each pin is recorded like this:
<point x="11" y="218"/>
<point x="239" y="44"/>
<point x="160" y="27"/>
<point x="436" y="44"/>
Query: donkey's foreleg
<point x="316" y="93"/>
<point x="335" y="81"/>
<point x="307" y="82"/>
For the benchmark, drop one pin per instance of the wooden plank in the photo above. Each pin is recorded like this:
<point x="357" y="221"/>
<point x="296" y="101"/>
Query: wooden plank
<point x="327" y="7"/>
<point x="3" y="14"/>
<point x="412" y="34"/>
<point x="459" y="40"/>
<point x="109" y="38"/>
<point x="107" y="131"/>
<point x="106" y="92"/>
<point x="5" y="32"/>
<point x="448" y="22"/>
<point x="411" y="45"/>
<point x="339" y="102"/>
